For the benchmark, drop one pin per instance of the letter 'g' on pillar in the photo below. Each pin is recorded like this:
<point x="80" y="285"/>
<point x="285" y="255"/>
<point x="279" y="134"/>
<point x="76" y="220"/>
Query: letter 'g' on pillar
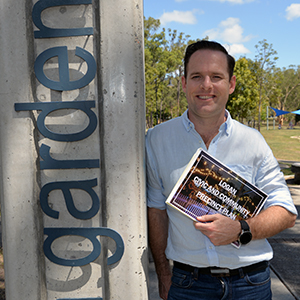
<point x="91" y="234"/>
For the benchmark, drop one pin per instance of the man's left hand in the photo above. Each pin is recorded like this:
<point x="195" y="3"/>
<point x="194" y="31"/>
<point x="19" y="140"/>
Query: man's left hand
<point x="220" y="229"/>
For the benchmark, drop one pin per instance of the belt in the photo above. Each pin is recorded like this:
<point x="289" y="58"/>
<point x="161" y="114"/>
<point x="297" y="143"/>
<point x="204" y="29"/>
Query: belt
<point x="222" y="272"/>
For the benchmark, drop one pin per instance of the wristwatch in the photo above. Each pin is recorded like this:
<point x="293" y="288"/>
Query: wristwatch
<point x="245" y="236"/>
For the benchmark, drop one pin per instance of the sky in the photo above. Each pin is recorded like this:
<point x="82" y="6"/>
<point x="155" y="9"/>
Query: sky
<point x="237" y="24"/>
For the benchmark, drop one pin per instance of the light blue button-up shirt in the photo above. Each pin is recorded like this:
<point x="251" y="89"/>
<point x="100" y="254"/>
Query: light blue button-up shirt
<point x="170" y="147"/>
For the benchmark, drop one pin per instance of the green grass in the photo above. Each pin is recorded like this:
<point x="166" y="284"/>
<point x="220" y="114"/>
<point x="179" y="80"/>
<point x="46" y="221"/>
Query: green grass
<point x="287" y="171"/>
<point x="282" y="143"/>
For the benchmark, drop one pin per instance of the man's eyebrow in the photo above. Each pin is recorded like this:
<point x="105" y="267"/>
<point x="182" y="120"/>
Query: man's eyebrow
<point x="220" y="73"/>
<point x="195" y="73"/>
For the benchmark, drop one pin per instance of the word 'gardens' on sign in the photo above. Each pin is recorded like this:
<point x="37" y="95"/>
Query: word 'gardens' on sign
<point x="47" y="162"/>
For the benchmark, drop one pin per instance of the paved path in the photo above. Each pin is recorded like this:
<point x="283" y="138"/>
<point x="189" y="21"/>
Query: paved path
<point x="286" y="246"/>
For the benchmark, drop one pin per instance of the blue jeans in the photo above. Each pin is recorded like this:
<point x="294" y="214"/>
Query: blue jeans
<point x="251" y="286"/>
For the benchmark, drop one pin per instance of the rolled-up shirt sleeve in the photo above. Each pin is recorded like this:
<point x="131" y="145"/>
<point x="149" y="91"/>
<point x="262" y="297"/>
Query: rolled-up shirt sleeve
<point x="155" y="196"/>
<point x="271" y="180"/>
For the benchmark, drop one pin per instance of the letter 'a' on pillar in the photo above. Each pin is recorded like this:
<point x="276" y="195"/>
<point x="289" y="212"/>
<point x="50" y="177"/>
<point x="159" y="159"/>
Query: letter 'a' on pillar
<point x="66" y="187"/>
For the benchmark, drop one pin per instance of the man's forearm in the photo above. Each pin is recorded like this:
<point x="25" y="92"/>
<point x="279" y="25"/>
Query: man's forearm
<point x="270" y="222"/>
<point x="158" y="235"/>
<point x="222" y="230"/>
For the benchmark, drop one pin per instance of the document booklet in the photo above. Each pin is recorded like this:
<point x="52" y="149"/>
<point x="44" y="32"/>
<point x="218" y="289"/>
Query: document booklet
<point x="207" y="186"/>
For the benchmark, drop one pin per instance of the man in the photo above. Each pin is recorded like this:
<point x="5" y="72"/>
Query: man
<point x="206" y="265"/>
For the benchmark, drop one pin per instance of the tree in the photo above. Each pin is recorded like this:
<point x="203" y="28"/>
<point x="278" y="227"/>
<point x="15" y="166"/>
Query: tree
<point x="290" y="81"/>
<point x="155" y="66"/>
<point x="264" y="63"/>
<point x="176" y="47"/>
<point x="164" y="51"/>
<point x="243" y="101"/>
<point x="273" y="90"/>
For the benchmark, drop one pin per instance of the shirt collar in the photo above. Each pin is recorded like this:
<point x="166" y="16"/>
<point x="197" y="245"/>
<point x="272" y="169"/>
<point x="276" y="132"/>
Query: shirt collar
<point x="186" y="122"/>
<point x="226" y="127"/>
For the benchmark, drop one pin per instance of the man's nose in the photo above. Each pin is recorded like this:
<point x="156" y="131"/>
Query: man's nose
<point x="206" y="83"/>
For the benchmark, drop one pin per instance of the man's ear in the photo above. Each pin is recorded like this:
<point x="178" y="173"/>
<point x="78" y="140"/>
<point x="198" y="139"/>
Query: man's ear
<point x="232" y="84"/>
<point x="183" y="82"/>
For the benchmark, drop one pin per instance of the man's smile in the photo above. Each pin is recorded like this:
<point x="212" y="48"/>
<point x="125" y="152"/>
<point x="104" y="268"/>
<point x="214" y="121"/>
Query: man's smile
<point x="205" y="97"/>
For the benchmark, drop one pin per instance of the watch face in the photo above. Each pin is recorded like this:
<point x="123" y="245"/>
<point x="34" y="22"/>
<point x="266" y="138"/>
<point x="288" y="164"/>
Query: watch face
<point x="245" y="237"/>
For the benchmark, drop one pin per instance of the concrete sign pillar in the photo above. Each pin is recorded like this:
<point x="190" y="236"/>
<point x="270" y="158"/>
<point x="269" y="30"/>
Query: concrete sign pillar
<point x="72" y="117"/>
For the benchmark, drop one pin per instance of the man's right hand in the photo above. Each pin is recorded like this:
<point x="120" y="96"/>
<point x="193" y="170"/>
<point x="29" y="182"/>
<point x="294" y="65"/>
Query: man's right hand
<point x="164" y="284"/>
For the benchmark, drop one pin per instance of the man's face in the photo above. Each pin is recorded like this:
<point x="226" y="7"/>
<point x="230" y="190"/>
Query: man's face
<point x="207" y="85"/>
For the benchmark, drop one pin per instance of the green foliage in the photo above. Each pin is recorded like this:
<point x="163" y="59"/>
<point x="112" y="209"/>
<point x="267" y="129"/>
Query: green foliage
<point x="289" y="85"/>
<point x="265" y="61"/>
<point x="164" y="52"/>
<point x="243" y="102"/>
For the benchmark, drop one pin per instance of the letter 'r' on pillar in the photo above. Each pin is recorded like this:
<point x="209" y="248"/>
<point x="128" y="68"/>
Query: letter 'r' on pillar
<point x="50" y="163"/>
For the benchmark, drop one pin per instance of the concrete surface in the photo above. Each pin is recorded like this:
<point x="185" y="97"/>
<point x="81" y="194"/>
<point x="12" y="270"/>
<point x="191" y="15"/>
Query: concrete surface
<point x="115" y="51"/>
<point x="286" y="246"/>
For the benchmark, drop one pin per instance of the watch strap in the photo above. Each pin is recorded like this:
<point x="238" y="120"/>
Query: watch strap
<point x="245" y="235"/>
<point x="244" y="225"/>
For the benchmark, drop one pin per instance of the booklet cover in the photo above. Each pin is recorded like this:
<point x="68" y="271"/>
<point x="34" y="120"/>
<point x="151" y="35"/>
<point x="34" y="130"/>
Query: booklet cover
<point x="207" y="186"/>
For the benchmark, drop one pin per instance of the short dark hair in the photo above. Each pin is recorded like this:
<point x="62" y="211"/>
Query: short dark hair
<point x="208" y="45"/>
